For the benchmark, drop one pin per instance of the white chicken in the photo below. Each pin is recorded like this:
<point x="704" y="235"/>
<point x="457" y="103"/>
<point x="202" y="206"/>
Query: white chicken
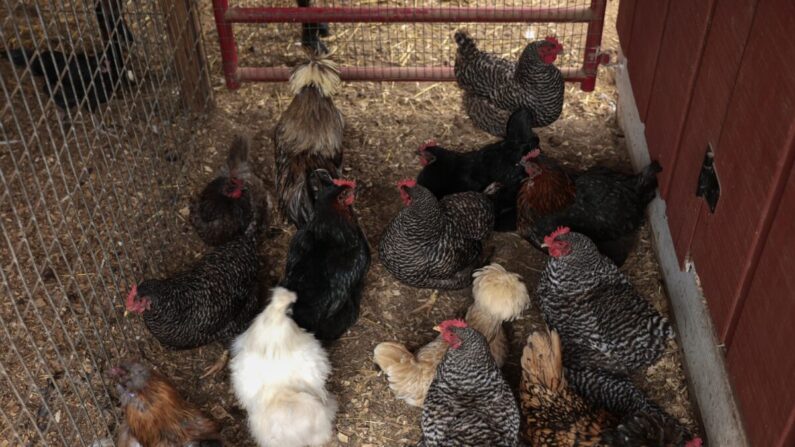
<point x="279" y="374"/>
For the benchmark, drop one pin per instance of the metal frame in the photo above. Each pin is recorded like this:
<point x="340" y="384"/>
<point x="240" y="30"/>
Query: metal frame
<point x="226" y="16"/>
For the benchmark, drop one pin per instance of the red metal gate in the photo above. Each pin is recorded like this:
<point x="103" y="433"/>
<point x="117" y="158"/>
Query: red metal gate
<point x="584" y="55"/>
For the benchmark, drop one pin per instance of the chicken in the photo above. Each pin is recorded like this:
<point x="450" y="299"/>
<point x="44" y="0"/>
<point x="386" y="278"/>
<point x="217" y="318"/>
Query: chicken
<point x="279" y="373"/>
<point x="436" y="243"/>
<point x="328" y="260"/>
<point x="469" y="403"/>
<point x="446" y="172"/>
<point x="556" y="416"/>
<point x="605" y="205"/>
<point x="607" y="329"/>
<point x="307" y="137"/>
<point x="155" y="415"/>
<point x="213" y="300"/>
<point x="499" y="296"/>
<point x="80" y="79"/>
<point x="494" y="87"/>
<point x="231" y="201"/>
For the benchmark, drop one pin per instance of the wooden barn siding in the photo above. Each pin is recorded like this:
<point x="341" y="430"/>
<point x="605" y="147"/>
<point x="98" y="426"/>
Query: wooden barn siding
<point x="647" y="33"/>
<point x="680" y="55"/>
<point x="731" y="25"/>
<point x="738" y="95"/>
<point x="761" y="357"/>
<point x="750" y="159"/>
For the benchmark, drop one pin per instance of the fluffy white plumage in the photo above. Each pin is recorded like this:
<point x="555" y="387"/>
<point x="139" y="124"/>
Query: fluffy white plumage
<point x="279" y="374"/>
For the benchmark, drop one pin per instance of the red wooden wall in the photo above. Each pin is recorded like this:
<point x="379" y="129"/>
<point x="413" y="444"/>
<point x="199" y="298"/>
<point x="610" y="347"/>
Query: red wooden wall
<point x="722" y="73"/>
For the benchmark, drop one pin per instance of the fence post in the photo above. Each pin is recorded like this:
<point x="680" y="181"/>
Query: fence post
<point x="184" y="31"/>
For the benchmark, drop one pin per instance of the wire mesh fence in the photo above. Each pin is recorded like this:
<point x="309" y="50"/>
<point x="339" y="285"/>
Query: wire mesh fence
<point x="407" y="39"/>
<point x="92" y="123"/>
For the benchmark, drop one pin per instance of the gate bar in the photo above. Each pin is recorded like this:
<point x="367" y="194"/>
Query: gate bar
<point x="407" y="15"/>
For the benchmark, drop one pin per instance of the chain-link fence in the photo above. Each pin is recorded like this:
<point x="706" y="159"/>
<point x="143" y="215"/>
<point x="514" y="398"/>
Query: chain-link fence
<point x="97" y="108"/>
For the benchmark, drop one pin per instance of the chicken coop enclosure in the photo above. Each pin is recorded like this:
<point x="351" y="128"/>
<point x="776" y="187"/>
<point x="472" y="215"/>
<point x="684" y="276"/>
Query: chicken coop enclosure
<point x="103" y="107"/>
<point x="398" y="40"/>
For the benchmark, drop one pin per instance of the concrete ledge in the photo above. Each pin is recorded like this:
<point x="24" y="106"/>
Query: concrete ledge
<point x="704" y="361"/>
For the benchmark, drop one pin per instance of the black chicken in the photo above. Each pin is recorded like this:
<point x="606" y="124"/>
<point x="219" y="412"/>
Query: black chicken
<point x="469" y="403"/>
<point x="434" y="243"/>
<point x="214" y="300"/>
<point x="79" y="78"/>
<point x="605" y="205"/>
<point x="494" y="87"/>
<point x="231" y="201"/>
<point x="328" y="260"/>
<point x="448" y="172"/>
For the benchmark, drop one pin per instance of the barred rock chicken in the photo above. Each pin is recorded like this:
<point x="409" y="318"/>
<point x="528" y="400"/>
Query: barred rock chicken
<point x="446" y="172"/>
<point x="499" y="296"/>
<point x="469" y="403"/>
<point x="495" y="87"/>
<point x="328" y="260"/>
<point x="229" y="203"/>
<point x="279" y="373"/>
<point x="557" y="416"/>
<point x="213" y="300"/>
<point x="307" y="137"/>
<point x="605" y="205"/>
<point x="81" y="78"/>
<point x="436" y="243"/>
<point x="603" y="322"/>
<point x="155" y="414"/>
<point x="608" y="330"/>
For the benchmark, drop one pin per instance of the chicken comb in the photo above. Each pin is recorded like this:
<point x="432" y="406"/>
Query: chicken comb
<point x="444" y="325"/>
<point x="695" y="442"/>
<point x="553" y="40"/>
<point x="426" y="145"/>
<point x="532" y="154"/>
<point x="407" y="183"/>
<point x="559" y="232"/>
<point x="128" y="303"/>
<point x="344" y="183"/>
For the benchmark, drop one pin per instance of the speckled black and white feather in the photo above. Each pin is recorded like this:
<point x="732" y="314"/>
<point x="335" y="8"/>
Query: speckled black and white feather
<point x="602" y="321"/>
<point x="495" y="87"/>
<point x="214" y="300"/>
<point x="437" y="244"/>
<point x="469" y="403"/>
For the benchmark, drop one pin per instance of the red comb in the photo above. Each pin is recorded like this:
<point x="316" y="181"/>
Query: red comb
<point x="238" y="183"/>
<point x="695" y="442"/>
<point x="128" y="303"/>
<point x="553" y="39"/>
<point x="532" y="154"/>
<point x="427" y="144"/>
<point x="345" y="183"/>
<point x="407" y="183"/>
<point x="452" y="323"/>
<point x="559" y="232"/>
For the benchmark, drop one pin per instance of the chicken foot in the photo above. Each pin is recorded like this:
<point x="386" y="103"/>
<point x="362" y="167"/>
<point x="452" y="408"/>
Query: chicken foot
<point x="428" y="305"/>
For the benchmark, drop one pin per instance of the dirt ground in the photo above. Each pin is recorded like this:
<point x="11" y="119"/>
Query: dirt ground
<point x="385" y="123"/>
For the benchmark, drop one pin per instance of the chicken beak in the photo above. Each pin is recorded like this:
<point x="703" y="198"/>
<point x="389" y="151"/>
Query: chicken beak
<point x="126" y="312"/>
<point x="544" y="245"/>
<point x="437" y="329"/>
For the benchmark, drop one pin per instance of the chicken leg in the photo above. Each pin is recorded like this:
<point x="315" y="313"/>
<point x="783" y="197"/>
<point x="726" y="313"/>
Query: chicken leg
<point x="428" y="305"/>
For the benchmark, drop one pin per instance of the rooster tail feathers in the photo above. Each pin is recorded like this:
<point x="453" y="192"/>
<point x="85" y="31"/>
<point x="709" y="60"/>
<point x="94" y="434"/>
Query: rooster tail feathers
<point x="238" y="154"/>
<point x="22" y="57"/>
<point x="647" y="181"/>
<point x="542" y="360"/>
<point x="499" y="293"/>
<point x="319" y="72"/>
